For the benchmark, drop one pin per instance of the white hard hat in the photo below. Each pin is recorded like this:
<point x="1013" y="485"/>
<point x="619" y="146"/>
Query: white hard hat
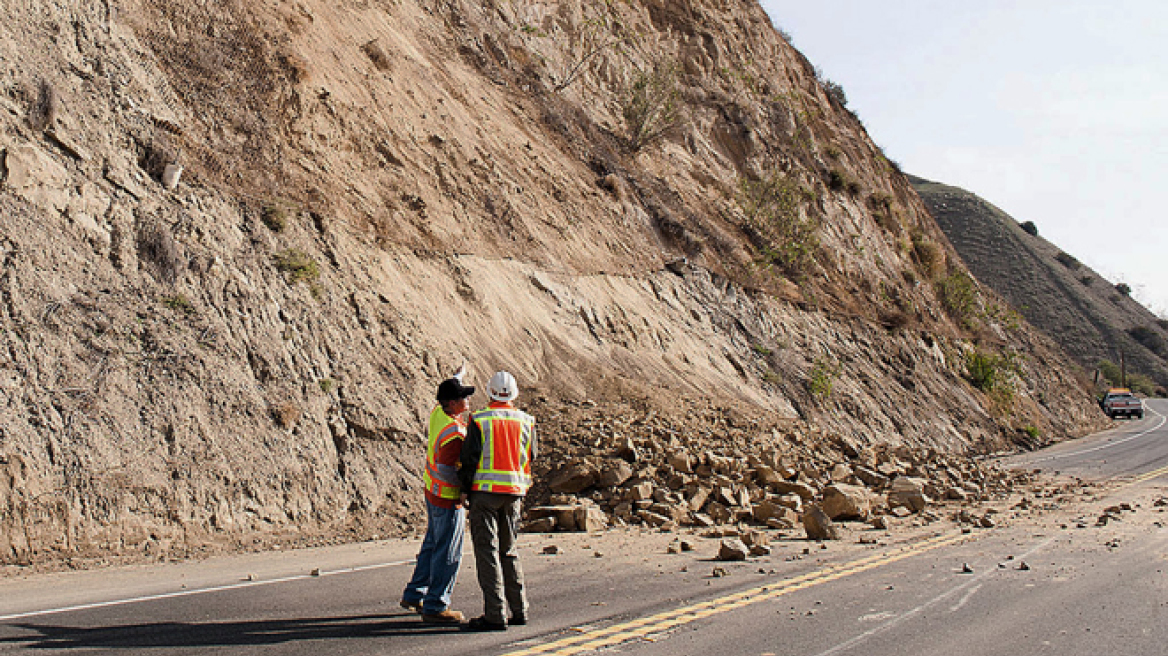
<point x="502" y="387"/>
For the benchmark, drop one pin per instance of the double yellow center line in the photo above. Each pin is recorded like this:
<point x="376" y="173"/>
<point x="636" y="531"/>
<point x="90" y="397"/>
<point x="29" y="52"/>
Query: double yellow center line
<point x="1142" y="478"/>
<point x="641" y="627"/>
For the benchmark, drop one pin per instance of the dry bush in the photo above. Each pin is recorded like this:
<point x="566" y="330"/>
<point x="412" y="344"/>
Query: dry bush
<point x="376" y="55"/>
<point x="275" y="216"/>
<point x="650" y="105"/>
<point x="44" y="105"/>
<point x="156" y="155"/>
<point x="928" y="254"/>
<point x="286" y="415"/>
<point x="296" y="66"/>
<point x="156" y="247"/>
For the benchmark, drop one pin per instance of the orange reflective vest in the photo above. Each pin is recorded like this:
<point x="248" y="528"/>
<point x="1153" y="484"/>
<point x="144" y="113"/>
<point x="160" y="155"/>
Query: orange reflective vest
<point x="442" y="480"/>
<point x="505" y="463"/>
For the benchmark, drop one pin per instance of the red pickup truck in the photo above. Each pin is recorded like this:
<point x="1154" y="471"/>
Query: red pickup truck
<point x="1120" y="402"/>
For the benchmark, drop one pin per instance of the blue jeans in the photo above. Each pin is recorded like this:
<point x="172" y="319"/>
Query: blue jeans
<point x="438" y="560"/>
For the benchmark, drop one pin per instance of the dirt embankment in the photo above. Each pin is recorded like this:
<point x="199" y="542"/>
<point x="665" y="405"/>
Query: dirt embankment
<point x="372" y="192"/>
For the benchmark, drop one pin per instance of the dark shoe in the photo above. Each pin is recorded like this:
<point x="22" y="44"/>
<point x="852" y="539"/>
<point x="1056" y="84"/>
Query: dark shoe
<point x="443" y="617"/>
<point x="415" y="606"/>
<point x="481" y="624"/>
<point x="517" y="620"/>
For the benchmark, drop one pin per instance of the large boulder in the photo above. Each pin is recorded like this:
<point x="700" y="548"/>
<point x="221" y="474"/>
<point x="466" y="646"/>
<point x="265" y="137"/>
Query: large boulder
<point x="794" y="487"/>
<point x="574" y="477"/>
<point x="733" y="549"/>
<point x="908" y="492"/>
<point x="680" y="460"/>
<point x="842" y="501"/>
<point x="818" y="525"/>
<point x="615" y="472"/>
<point x="873" y="479"/>
<point x="589" y="519"/>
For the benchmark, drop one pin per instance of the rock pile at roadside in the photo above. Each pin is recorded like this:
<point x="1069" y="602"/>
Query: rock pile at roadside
<point x="648" y="471"/>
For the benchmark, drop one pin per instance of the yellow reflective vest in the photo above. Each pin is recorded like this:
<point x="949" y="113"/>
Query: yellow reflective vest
<point x="442" y="480"/>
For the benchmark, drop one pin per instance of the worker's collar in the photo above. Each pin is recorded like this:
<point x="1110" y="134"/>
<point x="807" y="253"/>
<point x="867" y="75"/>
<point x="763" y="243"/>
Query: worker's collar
<point x="501" y="404"/>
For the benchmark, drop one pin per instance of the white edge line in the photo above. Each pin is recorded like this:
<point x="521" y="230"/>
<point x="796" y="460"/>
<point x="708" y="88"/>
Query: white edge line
<point x="1101" y="446"/>
<point x="188" y="593"/>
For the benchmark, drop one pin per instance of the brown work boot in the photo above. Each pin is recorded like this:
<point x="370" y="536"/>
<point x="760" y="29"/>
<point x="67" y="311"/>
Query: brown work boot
<point x="415" y="606"/>
<point x="444" y="617"/>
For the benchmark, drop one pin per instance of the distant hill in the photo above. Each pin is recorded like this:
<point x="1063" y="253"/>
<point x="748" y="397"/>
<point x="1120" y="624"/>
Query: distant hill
<point x="1086" y="314"/>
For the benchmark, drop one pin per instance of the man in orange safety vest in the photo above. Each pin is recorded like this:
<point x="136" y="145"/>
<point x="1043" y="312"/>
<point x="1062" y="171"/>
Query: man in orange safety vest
<point x="496" y="471"/>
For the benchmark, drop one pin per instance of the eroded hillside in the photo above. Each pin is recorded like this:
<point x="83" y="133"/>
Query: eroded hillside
<point x="644" y="204"/>
<point x="1092" y="319"/>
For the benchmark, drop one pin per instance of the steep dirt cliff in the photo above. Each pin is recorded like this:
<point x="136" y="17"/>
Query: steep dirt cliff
<point x="646" y="204"/>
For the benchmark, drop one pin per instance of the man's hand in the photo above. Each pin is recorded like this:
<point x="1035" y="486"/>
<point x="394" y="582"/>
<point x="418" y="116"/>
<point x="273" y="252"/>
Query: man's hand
<point x="462" y="500"/>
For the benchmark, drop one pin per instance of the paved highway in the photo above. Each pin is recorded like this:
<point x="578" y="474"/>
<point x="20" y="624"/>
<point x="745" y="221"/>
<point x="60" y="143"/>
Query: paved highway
<point x="1048" y="579"/>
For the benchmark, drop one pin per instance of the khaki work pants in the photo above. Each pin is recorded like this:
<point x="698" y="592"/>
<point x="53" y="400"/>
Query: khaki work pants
<point x="494" y="529"/>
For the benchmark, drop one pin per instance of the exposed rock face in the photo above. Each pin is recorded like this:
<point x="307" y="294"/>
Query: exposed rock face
<point x="371" y="195"/>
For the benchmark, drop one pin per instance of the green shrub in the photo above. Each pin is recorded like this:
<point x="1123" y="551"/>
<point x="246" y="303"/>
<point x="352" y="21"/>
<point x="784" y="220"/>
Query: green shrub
<point x="760" y="349"/>
<point x="1030" y="228"/>
<point x="275" y="216"/>
<point x="1123" y="288"/>
<point x="821" y="380"/>
<point x="1150" y="339"/>
<point x="959" y="296"/>
<point x="1032" y="432"/>
<point x="298" y="266"/>
<point x="988" y="371"/>
<point x="1110" y="372"/>
<point x="775" y="221"/>
<point x="835" y="91"/>
<point x="1067" y="260"/>
<point x="836" y="180"/>
<point x="1141" y="384"/>
<point x="650" y="105"/>
<point x="327" y="385"/>
<point x="1087" y="281"/>
<point x="179" y="303"/>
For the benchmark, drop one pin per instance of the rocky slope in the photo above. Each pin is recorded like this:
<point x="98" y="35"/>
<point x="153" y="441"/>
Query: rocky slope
<point x="651" y="206"/>
<point x="1079" y="309"/>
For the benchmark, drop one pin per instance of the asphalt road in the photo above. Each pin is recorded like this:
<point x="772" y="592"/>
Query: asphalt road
<point x="1087" y="587"/>
<point x="1133" y="447"/>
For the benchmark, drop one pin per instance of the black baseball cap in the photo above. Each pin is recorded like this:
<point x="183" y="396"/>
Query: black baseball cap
<point x="452" y="389"/>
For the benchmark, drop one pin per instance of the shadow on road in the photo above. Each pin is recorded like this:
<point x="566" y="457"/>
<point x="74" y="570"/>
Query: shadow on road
<point x="220" y="634"/>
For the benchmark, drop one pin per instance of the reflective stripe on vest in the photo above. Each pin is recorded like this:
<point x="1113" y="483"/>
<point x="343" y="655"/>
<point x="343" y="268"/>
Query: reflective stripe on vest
<point x="441" y="480"/>
<point x="505" y="464"/>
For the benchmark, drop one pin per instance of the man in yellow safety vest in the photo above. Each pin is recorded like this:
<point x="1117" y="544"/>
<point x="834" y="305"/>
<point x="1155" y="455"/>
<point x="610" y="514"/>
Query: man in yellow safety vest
<point x="496" y="470"/>
<point x="440" y="557"/>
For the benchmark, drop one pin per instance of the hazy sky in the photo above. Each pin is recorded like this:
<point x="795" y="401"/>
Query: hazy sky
<point x="1056" y="111"/>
